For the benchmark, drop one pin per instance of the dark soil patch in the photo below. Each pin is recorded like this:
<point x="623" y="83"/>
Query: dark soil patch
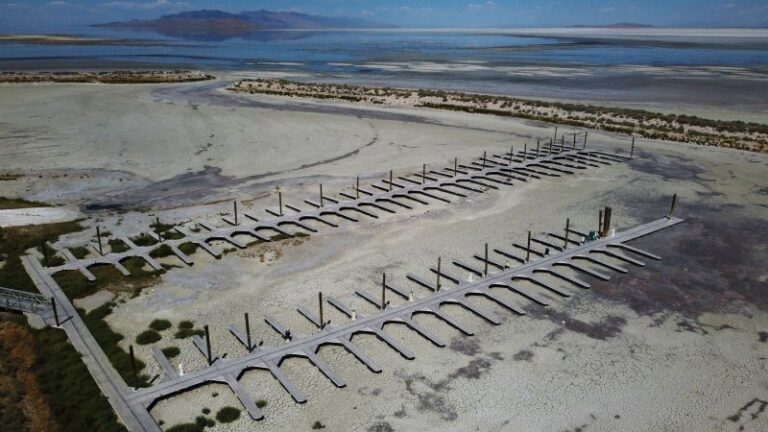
<point x="523" y="355"/>
<point x="708" y="262"/>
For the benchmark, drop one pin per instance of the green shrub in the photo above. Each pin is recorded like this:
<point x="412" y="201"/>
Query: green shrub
<point x="318" y="425"/>
<point x="228" y="414"/>
<point x="147" y="337"/>
<point x="185" y="427"/>
<point x="79" y="252"/>
<point x="188" y="333"/>
<point x="117" y="245"/>
<point x="261" y="403"/>
<point x="160" y="324"/>
<point x="186" y="325"/>
<point x="171" y="352"/>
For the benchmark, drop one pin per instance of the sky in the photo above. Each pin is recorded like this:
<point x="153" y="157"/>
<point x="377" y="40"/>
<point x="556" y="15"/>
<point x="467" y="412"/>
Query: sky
<point x="52" y="15"/>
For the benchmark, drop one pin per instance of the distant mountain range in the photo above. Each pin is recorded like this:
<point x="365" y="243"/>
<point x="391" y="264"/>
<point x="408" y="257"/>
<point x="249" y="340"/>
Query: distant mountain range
<point x="617" y="25"/>
<point x="217" y="21"/>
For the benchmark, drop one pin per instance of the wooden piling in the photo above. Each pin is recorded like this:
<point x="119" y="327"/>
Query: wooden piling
<point x="55" y="312"/>
<point x="437" y="285"/>
<point x="321" y="324"/>
<point x="567" y="231"/>
<point x="607" y="221"/>
<point x="528" y="249"/>
<point x="280" y="201"/>
<point x="672" y="206"/>
<point x="208" y="345"/>
<point x="98" y="237"/>
<point x="248" y="333"/>
<point x="322" y="203"/>
<point x="383" y="291"/>
<point x="133" y="367"/>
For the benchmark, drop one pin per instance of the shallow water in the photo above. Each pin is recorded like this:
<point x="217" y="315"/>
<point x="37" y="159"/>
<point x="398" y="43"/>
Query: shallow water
<point x="723" y="70"/>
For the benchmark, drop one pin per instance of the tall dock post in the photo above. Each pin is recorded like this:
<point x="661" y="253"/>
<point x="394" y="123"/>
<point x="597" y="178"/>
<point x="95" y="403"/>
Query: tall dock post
<point x="208" y="345"/>
<point x="98" y="237"/>
<point x="55" y="312"/>
<point x="280" y="201"/>
<point x="672" y="206"/>
<point x="437" y="285"/>
<point x="320" y="306"/>
<point x="133" y="367"/>
<point x="248" y="332"/>
<point x="567" y="231"/>
<point x="383" y="291"/>
<point x="528" y="249"/>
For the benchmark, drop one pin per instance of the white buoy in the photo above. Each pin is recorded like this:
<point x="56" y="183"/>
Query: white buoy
<point x="410" y="297"/>
<point x="181" y="369"/>
<point x="507" y="264"/>
<point x="471" y="278"/>
<point x="613" y="232"/>
<point x="354" y="315"/>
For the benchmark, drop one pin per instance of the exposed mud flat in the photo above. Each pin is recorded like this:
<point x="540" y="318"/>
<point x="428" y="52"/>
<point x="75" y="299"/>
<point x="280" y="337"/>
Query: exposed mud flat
<point x="677" y="345"/>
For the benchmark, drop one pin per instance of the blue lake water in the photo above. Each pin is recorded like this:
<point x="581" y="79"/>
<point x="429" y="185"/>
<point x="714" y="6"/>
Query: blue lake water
<point x="555" y="66"/>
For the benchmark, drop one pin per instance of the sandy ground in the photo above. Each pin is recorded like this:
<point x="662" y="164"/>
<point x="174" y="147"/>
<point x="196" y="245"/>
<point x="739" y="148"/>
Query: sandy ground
<point x="36" y="216"/>
<point x="678" y="345"/>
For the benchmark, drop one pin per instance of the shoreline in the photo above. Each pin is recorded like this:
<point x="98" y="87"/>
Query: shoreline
<point x="670" y="127"/>
<point x="114" y="77"/>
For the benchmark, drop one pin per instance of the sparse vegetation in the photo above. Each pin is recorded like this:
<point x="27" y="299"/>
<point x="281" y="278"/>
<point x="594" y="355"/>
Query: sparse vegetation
<point x="18" y="240"/>
<point x="116" y="77"/>
<point x="117" y="245"/>
<point x="318" y="425"/>
<point x="108" y="339"/>
<point x="162" y="251"/>
<point x="51" y="381"/>
<point x="79" y="252"/>
<point x="674" y="127"/>
<point x="75" y="285"/>
<point x="16" y="203"/>
<point x="228" y="414"/>
<point x="261" y="403"/>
